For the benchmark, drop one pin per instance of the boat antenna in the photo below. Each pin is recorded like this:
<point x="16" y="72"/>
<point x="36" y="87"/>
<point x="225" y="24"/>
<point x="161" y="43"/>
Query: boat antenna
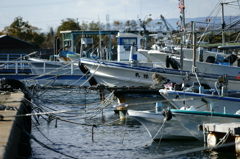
<point x="100" y="39"/>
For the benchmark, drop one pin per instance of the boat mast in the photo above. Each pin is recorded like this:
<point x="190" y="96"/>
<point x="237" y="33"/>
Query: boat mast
<point x="181" y="6"/>
<point x="183" y="15"/>
<point x="223" y="25"/>
<point x="194" y="39"/>
<point x="100" y="40"/>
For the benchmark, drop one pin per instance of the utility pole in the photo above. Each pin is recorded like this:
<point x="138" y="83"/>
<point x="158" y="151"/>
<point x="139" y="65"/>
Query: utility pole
<point x="77" y="24"/>
<point x="107" y="22"/>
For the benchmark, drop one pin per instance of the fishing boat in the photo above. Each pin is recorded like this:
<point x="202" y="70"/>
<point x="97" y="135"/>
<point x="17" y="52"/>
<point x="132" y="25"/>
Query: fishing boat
<point x="43" y="66"/>
<point x="158" y="128"/>
<point x="133" y="72"/>
<point x="14" y="63"/>
<point x="198" y="60"/>
<point x="63" y="62"/>
<point x="215" y="63"/>
<point x="191" y="119"/>
<point x="188" y="57"/>
<point x="56" y="73"/>
<point x="112" y="73"/>
<point x="66" y="55"/>
<point x="218" y="99"/>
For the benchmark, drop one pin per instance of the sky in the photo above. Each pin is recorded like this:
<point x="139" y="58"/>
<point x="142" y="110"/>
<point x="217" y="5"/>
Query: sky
<point x="49" y="13"/>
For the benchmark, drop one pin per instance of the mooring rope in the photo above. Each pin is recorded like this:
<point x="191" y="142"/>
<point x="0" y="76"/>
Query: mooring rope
<point x="44" y="112"/>
<point x="42" y="144"/>
<point x="76" y="80"/>
<point x="125" y="125"/>
<point x="223" y="140"/>
<point x="35" y="123"/>
<point x="161" y="127"/>
<point x="18" y="58"/>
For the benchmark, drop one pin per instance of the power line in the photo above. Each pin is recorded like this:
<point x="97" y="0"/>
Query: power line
<point x="35" y="4"/>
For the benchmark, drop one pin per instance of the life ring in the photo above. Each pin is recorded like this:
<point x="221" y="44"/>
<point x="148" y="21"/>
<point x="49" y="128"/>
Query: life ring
<point x="167" y="61"/>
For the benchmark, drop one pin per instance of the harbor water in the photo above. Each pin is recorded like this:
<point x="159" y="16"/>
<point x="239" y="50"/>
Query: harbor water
<point x="79" y="128"/>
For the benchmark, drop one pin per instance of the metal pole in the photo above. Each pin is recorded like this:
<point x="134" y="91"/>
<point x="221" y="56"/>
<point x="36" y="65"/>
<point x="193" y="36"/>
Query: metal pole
<point x="194" y="49"/>
<point x="194" y="44"/>
<point x="71" y="68"/>
<point x="72" y="42"/>
<point x="110" y="47"/>
<point x="44" y="68"/>
<point x="223" y="25"/>
<point x="16" y="68"/>
<point x="183" y="13"/>
<point x="181" y="58"/>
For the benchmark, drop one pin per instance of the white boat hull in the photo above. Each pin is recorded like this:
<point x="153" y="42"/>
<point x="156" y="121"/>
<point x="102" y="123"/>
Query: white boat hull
<point x="203" y="67"/>
<point x="118" y="74"/>
<point x="210" y="68"/>
<point x="139" y="99"/>
<point x="153" y="122"/>
<point x="202" y="102"/>
<point x="40" y="67"/>
<point x="192" y="119"/>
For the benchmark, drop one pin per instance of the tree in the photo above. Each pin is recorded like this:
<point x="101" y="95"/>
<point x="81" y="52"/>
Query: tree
<point x="49" y="39"/>
<point x="130" y="25"/>
<point x="95" y="26"/>
<point x="127" y="25"/>
<point x="84" y="25"/>
<point x="134" y="24"/>
<point x="24" y="31"/>
<point x="148" y="22"/>
<point x="38" y="39"/>
<point x="159" y="25"/>
<point x="68" y="24"/>
<point x="117" y="24"/>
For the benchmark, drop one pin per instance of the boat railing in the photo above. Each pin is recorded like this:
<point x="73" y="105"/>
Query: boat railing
<point x="7" y="59"/>
<point x="40" y="67"/>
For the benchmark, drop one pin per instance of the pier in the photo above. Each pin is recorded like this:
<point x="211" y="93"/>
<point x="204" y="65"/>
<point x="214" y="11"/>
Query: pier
<point x="14" y="141"/>
<point x="224" y="136"/>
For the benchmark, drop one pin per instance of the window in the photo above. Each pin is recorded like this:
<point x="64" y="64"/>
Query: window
<point x="128" y="41"/>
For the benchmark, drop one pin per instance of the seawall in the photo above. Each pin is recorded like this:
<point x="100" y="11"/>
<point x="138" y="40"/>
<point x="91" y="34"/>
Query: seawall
<point x="14" y="128"/>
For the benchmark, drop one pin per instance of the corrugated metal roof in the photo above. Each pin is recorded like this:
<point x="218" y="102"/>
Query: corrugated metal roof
<point x="2" y="36"/>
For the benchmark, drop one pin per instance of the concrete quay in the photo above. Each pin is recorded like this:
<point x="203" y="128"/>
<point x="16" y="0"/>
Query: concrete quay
<point x="14" y="141"/>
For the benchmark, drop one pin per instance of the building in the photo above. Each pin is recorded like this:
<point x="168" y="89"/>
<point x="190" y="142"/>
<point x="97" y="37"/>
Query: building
<point x="10" y="42"/>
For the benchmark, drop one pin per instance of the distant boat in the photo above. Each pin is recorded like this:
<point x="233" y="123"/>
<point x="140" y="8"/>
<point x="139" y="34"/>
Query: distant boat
<point x="13" y="63"/>
<point x="67" y="65"/>
<point x="66" y="70"/>
<point x="66" y="55"/>
<point x="207" y="62"/>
